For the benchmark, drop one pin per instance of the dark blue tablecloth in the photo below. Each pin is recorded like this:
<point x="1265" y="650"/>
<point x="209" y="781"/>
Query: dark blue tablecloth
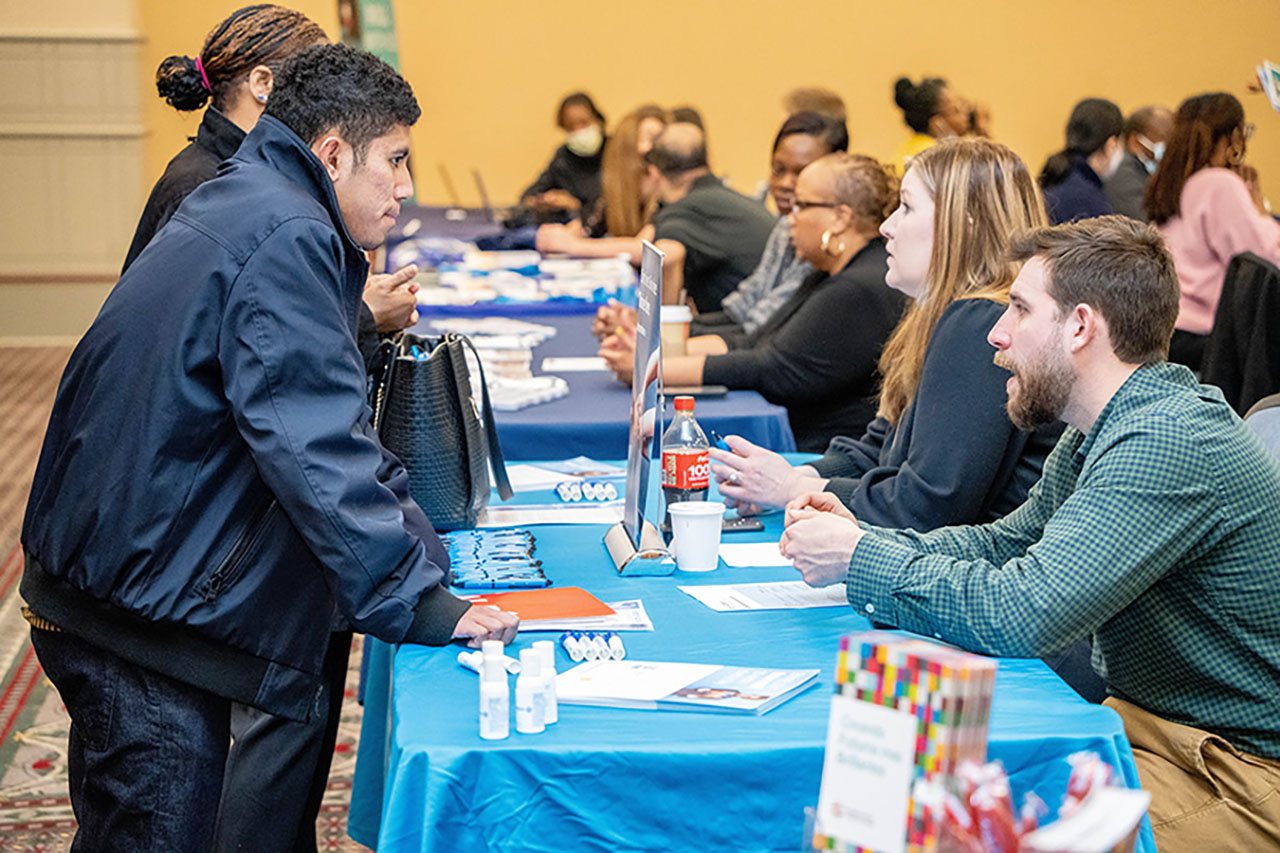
<point x="592" y="420"/>
<point x="606" y="779"/>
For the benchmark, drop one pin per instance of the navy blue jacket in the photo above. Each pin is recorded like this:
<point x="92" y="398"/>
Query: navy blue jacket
<point x="953" y="457"/>
<point x="1079" y="195"/>
<point x="209" y="494"/>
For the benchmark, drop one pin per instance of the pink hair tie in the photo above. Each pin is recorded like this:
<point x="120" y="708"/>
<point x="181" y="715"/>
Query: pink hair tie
<point x="204" y="78"/>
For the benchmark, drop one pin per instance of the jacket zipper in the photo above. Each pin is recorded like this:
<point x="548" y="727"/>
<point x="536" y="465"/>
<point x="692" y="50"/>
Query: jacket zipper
<point x="244" y="546"/>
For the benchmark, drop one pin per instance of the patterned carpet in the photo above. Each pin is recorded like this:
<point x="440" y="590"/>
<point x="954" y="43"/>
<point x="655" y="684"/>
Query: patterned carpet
<point x="35" y="813"/>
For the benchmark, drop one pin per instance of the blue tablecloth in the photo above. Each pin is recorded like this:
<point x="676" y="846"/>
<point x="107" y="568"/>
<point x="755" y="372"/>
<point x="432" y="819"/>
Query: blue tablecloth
<point x="592" y="420"/>
<point x="607" y="779"/>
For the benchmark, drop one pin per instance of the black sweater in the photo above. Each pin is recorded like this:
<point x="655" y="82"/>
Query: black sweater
<point x="817" y="355"/>
<point x="216" y="140"/>
<point x="580" y="178"/>
<point x="954" y="457"/>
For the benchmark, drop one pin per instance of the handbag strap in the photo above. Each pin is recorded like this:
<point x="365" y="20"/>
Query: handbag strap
<point x="500" y="480"/>
<point x="382" y="389"/>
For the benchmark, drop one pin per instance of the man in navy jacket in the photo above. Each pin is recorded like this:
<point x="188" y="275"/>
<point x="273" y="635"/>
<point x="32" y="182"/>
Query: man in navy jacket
<point x="209" y="497"/>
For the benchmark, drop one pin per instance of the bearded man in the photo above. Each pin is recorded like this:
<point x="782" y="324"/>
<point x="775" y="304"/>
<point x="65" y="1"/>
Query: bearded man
<point x="1154" y="529"/>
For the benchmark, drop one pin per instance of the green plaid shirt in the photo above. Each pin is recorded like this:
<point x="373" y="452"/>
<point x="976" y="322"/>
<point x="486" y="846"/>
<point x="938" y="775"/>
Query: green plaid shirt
<point x="1158" y="533"/>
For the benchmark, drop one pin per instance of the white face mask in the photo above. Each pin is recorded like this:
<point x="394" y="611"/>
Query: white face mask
<point x="585" y="142"/>
<point x="1157" y="152"/>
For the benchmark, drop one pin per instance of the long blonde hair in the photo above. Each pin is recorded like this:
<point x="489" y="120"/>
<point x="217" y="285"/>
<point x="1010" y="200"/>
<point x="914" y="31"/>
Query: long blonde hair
<point x="982" y="194"/>
<point x="621" y="172"/>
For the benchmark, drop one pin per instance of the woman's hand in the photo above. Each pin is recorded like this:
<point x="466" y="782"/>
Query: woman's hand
<point x="753" y="475"/>
<point x="609" y="317"/>
<point x="552" y="238"/>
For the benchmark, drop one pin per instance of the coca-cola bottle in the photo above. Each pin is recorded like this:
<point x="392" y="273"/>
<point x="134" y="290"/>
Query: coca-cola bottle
<point x="685" y="461"/>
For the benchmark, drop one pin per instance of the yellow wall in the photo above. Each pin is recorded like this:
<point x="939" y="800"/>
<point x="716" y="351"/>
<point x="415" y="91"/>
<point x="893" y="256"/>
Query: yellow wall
<point x="173" y="27"/>
<point x="489" y="72"/>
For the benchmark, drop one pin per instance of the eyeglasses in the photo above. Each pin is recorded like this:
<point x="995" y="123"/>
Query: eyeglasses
<point x="797" y="204"/>
<point x="1248" y="132"/>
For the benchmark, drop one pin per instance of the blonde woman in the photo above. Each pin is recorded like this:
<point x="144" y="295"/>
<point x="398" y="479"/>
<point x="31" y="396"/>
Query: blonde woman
<point x="942" y="449"/>
<point x="627" y="200"/>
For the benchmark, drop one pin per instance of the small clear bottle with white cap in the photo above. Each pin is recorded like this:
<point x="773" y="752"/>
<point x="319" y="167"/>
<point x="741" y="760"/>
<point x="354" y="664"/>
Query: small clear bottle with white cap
<point x="531" y="694"/>
<point x="495" y="700"/>
<point x="547" y="654"/>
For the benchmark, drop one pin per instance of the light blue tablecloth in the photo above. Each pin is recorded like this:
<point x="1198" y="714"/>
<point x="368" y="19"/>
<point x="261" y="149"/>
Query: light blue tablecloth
<point x="612" y="780"/>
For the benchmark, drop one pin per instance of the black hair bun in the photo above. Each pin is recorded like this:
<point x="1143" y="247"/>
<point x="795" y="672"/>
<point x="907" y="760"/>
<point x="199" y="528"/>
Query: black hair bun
<point x="903" y="89"/>
<point x="179" y="82"/>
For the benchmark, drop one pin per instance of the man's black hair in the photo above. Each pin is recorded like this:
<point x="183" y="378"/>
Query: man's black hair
<point x="334" y="86"/>
<point x="674" y="160"/>
<point x="833" y="132"/>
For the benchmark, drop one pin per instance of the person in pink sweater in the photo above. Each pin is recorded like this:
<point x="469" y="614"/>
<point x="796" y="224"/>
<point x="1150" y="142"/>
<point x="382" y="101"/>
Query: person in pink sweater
<point x="1209" y="207"/>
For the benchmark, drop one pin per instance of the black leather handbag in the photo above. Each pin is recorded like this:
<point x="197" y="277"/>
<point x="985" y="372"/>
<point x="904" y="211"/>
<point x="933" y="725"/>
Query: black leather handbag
<point x="425" y="413"/>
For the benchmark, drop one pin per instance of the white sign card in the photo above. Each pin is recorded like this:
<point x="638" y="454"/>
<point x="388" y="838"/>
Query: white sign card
<point x="642" y="496"/>
<point x="866" y="775"/>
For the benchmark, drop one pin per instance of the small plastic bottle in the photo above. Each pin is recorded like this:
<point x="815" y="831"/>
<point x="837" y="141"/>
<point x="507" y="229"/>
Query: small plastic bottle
<point x="531" y="695"/>
<point x="685" y="460"/>
<point x="495" y="700"/>
<point x="547" y="653"/>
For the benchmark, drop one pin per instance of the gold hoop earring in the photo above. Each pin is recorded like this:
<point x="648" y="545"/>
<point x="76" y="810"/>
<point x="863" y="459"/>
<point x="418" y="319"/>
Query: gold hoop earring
<point x="826" y="244"/>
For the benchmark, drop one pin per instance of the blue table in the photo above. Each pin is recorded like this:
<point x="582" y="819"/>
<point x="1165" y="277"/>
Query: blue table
<point x="610" y="779"/>
<point x="592" y="420"/>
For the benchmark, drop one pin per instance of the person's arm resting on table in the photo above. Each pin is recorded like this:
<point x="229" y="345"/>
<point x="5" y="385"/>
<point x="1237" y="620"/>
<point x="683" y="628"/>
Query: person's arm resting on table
<point x="1056" y="568"/>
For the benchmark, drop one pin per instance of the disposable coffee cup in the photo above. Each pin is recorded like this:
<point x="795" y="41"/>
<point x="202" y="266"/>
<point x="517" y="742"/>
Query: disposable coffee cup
<point x="695" y="529"/>
<point x="674" y="331"/>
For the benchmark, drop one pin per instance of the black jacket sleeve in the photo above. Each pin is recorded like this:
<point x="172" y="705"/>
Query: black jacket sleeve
<point x="847" y="458"/>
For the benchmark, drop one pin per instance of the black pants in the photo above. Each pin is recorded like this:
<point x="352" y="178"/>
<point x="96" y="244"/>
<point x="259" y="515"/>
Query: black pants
<point x="277" y="769"/>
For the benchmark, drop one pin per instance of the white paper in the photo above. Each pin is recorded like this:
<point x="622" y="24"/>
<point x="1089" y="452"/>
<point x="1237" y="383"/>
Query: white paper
<point x="532" y="478"/>
<point x="866" y="775"/>
<point x="565" y="364"/>
<point x="782" y="595"/>
<point x="627" y="616"/>
<point x="627" y="680"/>
<point x="519" y="515"/>
<point x="752" y="554"/>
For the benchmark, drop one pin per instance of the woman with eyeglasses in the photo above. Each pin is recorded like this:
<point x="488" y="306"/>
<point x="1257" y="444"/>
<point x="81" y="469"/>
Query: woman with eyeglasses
<point x="1208" y="205"/>
<point x="817" y="353"/>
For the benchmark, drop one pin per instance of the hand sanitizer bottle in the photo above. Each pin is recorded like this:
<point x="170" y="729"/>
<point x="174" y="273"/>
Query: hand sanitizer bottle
<point x="547" y="652"/>
<point x="531" y="696"/>
<point x="495" y="700"/>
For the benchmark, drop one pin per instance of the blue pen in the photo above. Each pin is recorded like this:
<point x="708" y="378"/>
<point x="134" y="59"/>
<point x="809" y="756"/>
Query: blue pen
<point x="718" y="440"/>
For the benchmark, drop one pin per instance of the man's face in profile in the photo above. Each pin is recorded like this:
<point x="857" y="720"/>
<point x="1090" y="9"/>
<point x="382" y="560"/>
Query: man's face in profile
<point x="370" y="192"/>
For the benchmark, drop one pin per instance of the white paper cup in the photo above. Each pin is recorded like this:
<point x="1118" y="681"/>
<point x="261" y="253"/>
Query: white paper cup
<point x="674" y="329"/>
<point x="695" y="529"/>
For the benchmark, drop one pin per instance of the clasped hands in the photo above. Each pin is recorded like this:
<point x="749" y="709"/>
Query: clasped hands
<point x="820" y="537"/>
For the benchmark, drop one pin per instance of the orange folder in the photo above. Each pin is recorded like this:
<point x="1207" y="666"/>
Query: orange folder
<point x="566" y="602"/>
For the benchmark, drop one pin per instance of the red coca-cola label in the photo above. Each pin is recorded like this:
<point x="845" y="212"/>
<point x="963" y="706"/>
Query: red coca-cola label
<point x="685" y="469"/>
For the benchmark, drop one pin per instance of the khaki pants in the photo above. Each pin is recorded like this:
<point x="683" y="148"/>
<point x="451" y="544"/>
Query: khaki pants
<point x="1206" y="795"/>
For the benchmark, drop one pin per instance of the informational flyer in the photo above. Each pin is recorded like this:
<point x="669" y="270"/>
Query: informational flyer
<point x="866" y="775"/>
<point x="782" y="595"/>
<point x="646" y="398"/>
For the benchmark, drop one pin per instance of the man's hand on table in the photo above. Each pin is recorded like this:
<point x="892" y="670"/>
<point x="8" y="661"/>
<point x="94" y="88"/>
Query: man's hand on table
<point x="485" y="622"/>
<point x="819" y="538"/>
<point x="393" y="299"/>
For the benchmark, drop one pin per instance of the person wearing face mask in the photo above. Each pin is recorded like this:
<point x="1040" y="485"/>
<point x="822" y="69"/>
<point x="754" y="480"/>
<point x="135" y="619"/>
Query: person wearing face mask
<point x="932" y="111"/>
<point x="1072" y="179"/>
<point x="1145" y="134"/>
<point x="1209" y="207"/>
<point x="817" y="353"/>
<point x="569" y="187"/>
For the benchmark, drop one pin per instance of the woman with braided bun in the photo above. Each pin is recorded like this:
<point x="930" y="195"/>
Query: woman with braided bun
<point x="233" y="73"/>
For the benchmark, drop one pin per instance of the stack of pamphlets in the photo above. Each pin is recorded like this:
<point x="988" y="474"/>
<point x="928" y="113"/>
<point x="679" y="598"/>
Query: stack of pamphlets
<point x="660" y="686"/>
<point x="925" y="708"/>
